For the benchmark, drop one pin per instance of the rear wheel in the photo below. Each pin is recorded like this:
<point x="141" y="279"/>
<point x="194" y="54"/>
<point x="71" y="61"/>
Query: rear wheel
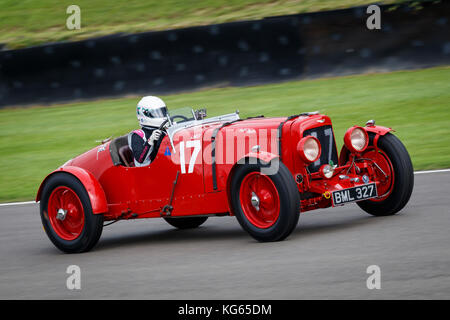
<point x="186" y="223"/>
<point x="66" y="214"/>
<point x="395" y="173"/>
<point x="266" y="206"/>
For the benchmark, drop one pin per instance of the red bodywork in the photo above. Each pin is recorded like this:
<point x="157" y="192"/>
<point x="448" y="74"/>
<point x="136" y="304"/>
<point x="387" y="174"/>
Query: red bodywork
<point x="202" y="188"/>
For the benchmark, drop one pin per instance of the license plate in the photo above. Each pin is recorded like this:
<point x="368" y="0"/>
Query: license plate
<point x="359" y="193"/>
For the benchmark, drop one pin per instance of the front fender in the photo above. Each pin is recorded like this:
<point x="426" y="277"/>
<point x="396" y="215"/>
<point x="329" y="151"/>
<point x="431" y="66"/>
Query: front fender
<point x="262" y="155"/>
<point x="90" y="183"/>
<point x="378" y="130"/>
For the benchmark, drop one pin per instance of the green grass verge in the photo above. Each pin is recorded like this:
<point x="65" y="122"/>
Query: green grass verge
<point x="35" y="141"/>
<point x="29" y="22"/>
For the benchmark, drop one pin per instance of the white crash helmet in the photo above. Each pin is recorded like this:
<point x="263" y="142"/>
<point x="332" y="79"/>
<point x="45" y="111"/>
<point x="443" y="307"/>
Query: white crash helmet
<point x="151" y="111"/>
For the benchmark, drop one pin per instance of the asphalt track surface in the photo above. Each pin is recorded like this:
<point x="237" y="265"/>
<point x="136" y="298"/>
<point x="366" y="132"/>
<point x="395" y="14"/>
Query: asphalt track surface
<point x="325" y="257"/>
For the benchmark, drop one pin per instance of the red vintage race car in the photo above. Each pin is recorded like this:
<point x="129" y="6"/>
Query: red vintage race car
<point x="264" y="171"/>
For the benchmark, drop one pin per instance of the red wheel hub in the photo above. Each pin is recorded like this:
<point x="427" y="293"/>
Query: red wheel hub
<point x="66" y="213"/>
<point x="383" y="172"/>
<point x="259" y="199"/>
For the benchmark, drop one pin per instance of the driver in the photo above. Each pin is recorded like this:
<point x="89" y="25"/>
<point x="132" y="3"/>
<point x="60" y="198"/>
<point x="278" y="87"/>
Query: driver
<point x="151" y="113"/>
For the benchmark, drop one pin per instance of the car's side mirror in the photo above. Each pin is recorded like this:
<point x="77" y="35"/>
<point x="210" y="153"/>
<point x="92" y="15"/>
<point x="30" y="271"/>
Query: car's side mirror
<point x="200" y="114"/>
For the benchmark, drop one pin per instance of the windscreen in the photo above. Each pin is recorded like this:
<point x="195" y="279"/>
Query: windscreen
<point x="181" y="115"/>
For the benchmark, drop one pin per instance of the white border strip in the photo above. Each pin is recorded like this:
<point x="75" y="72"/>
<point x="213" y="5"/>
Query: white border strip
<point x="30" y="202"/>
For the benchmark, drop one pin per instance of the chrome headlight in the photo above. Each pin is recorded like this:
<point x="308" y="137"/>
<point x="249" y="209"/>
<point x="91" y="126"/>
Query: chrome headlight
<point x="327" y="171"/>
<point x="309" y="149"/>
<point x="356" y="139"/>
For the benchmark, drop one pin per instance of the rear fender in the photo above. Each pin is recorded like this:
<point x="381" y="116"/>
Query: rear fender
<point x="92" y="186"/>
<point x="379" y="131"/>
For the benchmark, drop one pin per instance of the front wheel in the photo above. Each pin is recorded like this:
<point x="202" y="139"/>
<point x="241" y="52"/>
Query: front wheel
<point x="66" y="214"/>
<point x="266" y="206"/>
<point x="395" y="174"/>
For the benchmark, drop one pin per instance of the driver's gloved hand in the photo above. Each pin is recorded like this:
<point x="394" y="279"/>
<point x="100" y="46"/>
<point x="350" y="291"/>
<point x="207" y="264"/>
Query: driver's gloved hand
<point x="154" y="137"/>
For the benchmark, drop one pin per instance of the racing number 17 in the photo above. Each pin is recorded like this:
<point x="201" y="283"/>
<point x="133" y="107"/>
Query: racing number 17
<point x="196" y="144"/>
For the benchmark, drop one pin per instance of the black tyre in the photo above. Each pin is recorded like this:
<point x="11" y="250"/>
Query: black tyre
<point x="66" y="214"/>
<point x="186" y="223"/>
<point x="395" y="192"/>
<point x="266" y="206"/>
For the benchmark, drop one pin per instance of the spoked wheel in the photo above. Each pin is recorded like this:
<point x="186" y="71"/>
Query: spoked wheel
<point x="384" y="172"/>
<point x="267" y="207"/>
<point x="66" y="214"/>
<point x="260" y="200"/>
<point x="394" y="171"/>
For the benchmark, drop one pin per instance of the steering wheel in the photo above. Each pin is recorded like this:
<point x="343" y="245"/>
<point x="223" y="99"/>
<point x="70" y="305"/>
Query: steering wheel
<point x="163" y="124"/>
<point x="183" y="118"/>
<point x="161" y="127"/>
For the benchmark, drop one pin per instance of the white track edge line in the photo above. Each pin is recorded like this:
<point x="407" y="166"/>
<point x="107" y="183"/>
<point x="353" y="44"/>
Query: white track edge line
<point x="30" y="202"/>
<point x="15" y="203"/>
<point x="432" y="171"/>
